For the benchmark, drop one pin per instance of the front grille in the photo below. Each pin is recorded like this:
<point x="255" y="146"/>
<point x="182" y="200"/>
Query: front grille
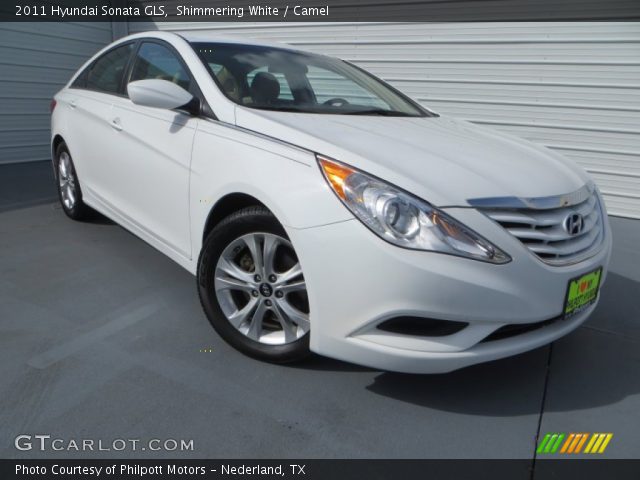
<point x="541" y="225"/>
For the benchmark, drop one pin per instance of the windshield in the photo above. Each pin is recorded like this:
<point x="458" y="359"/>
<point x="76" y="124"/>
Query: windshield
<point x="272" y="78"/>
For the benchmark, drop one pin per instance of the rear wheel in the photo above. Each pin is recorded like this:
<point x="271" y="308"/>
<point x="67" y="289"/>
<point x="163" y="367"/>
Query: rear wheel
<point x="252" y="287"/>
<point x="69" y="191"/>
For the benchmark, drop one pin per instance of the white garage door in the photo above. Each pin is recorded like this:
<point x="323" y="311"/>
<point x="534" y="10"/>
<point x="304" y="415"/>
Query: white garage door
<point x="574" y="87"/>
<point x="36" y="59"/>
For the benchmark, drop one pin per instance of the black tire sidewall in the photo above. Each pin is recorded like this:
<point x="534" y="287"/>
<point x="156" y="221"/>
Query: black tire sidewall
<point x="251" y="220"/>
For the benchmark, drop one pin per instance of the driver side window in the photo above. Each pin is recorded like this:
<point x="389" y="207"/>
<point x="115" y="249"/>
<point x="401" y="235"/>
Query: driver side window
<point x="285" y="90"/>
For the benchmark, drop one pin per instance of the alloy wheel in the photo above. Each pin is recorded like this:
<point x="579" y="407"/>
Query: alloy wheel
<point x="66" y="181"/>
<point x="261" y="290"/>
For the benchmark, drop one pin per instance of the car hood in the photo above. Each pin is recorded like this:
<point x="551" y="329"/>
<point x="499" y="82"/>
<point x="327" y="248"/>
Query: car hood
<point x="439" y="159"/>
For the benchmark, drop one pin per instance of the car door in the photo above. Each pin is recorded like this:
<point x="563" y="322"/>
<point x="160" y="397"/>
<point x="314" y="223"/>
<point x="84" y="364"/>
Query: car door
<point x="152" y="152"/>
<point x="90" y="101"/>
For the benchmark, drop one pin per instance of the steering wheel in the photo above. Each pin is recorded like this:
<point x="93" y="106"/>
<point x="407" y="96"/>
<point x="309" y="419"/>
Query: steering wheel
<point x="337" y="102"/>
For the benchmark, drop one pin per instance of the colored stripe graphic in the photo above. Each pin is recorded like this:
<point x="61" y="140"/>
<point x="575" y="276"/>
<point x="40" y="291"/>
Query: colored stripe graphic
<point x="573" y="443"/>
<point x="596" y="445"/>
<point x="543" y="443"/>
<point x="567" y="443"/>
<point x="556" y="445"/>
<point x="598" y="442"/>
<point x="550" y="443"/>
<point x="576" y="439"/>
<point x="581" y="443"/>
<point x="591" y="442"/>
<point x="605" y="443"/>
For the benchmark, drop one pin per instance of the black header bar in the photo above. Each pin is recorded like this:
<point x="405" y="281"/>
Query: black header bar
<point x="320" y="10"/>
<point x="319" y="469"/>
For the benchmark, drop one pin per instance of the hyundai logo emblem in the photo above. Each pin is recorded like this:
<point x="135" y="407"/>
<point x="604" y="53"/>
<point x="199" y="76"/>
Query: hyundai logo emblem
<point x="266" y="290"/>
<point x="574" y="224"/>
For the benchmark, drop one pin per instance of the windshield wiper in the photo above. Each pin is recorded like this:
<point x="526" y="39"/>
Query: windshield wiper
<point x="278" y="109"/>
<point x="378" y="111"/>
<point x="372" y="111"/>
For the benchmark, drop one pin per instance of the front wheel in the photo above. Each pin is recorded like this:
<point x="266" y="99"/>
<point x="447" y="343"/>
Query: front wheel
<point x="252" y="288"/>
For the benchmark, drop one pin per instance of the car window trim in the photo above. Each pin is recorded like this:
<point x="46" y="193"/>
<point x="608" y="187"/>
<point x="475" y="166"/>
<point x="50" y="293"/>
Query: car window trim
<point x="124" y="81"/>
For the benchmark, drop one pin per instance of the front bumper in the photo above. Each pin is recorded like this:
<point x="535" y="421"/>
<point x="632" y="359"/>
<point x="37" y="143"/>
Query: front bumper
<point x="356" y="281"/>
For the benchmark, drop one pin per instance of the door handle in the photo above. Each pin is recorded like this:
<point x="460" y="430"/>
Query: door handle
<point x="73" y="104"/>
<point x="115" y="123"/>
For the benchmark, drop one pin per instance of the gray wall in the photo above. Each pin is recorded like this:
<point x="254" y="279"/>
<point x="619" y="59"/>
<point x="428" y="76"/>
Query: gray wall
<point x="572" y="86"/>
<point x="36" y="59"/>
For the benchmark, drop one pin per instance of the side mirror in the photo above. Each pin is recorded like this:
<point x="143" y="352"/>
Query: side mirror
<point x="160" y="94"/>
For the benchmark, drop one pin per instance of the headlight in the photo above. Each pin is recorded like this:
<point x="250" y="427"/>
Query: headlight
<point x="402" y="219"/>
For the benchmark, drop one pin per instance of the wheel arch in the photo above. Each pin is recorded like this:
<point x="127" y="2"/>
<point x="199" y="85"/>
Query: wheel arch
<point x="55" y="143"/>
<point x="225" y="206"/>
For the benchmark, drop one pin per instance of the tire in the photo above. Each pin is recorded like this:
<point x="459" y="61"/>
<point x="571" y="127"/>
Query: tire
<point x="69" y="192"/>
<point x="261" y="311"/>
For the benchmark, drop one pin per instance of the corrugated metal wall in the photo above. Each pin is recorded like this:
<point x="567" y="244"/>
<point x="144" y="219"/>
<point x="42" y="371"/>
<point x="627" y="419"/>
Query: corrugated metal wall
<point x="36" y="59"/>
<point x="571" y="86"/>
<point x="574" y="86"/>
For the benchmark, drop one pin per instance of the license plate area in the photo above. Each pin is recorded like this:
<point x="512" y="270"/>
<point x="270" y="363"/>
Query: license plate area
<point x="582" y="292"/>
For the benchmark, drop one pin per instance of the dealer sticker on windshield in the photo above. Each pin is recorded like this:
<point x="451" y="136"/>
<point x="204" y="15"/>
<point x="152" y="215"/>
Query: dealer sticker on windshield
<point x="582" y="292"/>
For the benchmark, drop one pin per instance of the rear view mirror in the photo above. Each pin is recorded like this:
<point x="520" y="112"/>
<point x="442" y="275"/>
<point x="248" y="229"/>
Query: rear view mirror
<point x="159" y="94"/>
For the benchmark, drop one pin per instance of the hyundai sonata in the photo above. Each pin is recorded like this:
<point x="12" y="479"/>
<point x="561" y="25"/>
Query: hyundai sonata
<point x="323" y="210"/>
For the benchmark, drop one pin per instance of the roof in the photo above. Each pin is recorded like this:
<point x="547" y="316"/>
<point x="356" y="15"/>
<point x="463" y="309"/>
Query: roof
<point x="203" y="36"/>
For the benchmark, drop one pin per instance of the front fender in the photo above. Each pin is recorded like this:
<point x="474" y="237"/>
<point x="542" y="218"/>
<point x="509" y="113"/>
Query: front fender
<point x="285" y="178"/>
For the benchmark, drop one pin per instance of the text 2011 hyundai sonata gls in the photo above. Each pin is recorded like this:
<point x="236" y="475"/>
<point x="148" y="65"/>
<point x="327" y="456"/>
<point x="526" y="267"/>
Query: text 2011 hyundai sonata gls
<point x="322" y="210"/>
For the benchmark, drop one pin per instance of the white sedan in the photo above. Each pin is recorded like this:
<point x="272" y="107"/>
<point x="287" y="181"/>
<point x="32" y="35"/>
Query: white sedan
<point x="323" y="210"/>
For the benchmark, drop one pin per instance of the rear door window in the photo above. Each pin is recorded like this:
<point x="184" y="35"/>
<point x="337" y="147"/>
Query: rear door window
<point x="105" y="74"/>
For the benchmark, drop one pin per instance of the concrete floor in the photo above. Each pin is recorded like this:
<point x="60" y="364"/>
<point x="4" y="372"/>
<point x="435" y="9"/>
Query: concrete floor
<point x="101" y="338"/>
